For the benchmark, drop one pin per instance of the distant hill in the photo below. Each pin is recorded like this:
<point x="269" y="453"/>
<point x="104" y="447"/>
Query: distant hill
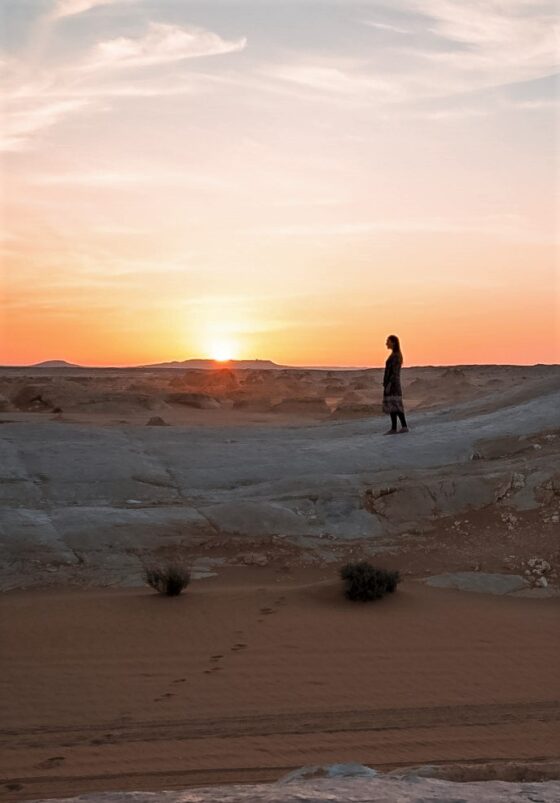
<point x="259" y="365"/>
<point x="193" y="364"/>
<point x="55" y="364"/>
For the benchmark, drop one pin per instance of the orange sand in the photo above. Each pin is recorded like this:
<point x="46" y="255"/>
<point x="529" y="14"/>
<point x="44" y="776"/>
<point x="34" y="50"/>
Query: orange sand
<point x="257" y="672"/>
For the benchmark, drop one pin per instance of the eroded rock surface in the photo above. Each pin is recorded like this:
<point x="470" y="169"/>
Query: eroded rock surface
<point x="353" y="790"/>
<point x="72" y="492"/>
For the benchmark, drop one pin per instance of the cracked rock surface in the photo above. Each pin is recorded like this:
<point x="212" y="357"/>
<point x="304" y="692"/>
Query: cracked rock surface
<point x="78" y="496"/>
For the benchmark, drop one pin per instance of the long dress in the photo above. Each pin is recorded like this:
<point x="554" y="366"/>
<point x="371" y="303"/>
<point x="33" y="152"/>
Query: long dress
<point x="392" y="392"/>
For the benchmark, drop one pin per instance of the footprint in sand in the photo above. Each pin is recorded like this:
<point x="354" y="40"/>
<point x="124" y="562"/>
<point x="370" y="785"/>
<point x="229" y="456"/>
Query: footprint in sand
<point x="179" y="680"/>
<point x="163" y="696"/>
<point x="267" y="611"/>
<point x="106" y="739"/>
<point x="214" y="658"/>
<point x="51" y="763"/>
<point x="237" y="647"/>
<point x="14" y="787"/>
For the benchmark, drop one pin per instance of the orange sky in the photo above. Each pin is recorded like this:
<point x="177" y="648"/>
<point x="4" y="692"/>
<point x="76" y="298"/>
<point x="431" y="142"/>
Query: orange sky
<point x="184" y="180"/>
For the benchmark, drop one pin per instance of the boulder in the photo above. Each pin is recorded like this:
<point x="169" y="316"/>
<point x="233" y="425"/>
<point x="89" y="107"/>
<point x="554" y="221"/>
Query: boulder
<point x="30" y="399"/>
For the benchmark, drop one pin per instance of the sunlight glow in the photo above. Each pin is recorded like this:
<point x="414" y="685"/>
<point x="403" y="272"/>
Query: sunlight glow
<point x="223" y="350"/>
<point x="204" y="184"/>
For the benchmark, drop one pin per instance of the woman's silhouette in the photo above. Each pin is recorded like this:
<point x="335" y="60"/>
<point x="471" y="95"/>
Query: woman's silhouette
<point x="392" y="393"/>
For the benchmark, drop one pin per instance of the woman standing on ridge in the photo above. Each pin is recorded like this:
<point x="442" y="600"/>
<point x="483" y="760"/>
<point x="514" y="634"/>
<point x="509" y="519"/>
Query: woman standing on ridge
<point x="392" y="393"/>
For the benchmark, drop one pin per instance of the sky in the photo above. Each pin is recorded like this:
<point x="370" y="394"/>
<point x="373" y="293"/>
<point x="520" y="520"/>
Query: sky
<point x="285" y="180"/>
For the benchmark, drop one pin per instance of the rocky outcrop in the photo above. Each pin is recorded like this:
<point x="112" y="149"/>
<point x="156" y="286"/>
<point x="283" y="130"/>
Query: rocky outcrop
<point x="64" y="484"/>
<point x="32" y="398"/>
<point x="380" y="789"/>
<point x="200" y="401"/>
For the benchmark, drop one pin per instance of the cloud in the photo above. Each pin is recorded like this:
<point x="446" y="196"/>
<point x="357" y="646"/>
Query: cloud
<point x="69" y="8"/>
<point x="21" y="124"/>
<point x="538" y="104"/>
<point x="507" y="225"/>
<point x="336" y="76"/>
<point x="489" y="22"/>
<point x="454" y="48"/>
<point x="384" y="26"/>
<point x="36" y="100"/>
<point x="162" y="44"/>
<point x="490" y="41"/>
<point x="128" y="179"/>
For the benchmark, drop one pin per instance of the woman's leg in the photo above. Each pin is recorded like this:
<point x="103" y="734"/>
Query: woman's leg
<point x="402" y="419"/>
<point x="393" y="421"/>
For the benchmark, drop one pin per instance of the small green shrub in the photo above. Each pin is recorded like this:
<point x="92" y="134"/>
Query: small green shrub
<point x="169" y="580"/>
<point x="364" y="582"/>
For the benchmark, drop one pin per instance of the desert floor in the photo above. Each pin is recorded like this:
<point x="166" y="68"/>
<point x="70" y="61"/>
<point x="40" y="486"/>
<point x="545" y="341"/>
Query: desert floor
<point x="257" y="672"/>
<point x="264" y="483"/>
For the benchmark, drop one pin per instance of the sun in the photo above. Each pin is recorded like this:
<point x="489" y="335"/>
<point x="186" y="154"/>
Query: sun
<point x="223" y="350"/>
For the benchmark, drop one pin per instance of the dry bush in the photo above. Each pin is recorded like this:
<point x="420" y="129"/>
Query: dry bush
<point x="170" y="580"/>
<point x="364" y="582"/>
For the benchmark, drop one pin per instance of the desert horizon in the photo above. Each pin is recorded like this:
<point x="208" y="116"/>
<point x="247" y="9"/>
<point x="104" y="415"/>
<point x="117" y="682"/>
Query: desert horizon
<point x="256" y="363"/>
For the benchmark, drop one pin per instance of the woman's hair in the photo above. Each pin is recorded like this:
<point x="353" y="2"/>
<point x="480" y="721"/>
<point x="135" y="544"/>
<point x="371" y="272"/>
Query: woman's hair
<point x="396" y="346"/>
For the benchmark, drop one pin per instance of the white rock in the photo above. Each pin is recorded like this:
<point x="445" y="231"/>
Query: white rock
<point x="334" y="786"/>
<point x="538" y="565"/>
<point x="254" y="559"/>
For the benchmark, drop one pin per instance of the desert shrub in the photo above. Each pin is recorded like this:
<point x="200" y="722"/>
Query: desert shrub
<point x="364" y="582"/>
<point x="169" y="580"/>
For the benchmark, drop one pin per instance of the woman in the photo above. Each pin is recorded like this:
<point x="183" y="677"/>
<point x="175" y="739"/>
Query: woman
<point x="392" y="393"/>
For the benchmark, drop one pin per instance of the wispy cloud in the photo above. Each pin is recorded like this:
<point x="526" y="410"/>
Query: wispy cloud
<point x="34" y="103"/>
<point x="503" y="224"/>
<point x="492" y="42"/>
<point x="162" y="44"/>
<point x="332" y="76"/>
<point x="69" y="8"/>
<point x="457" y="47"/>
<point x="21" y="123"/>
<point x="384" y="26"/>
<point x="128" y="179"/>
<point x="538" y="104"/>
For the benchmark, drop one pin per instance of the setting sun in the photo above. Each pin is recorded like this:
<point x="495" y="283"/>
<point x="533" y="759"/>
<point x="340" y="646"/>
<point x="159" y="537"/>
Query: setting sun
<point x="223" y="351"/>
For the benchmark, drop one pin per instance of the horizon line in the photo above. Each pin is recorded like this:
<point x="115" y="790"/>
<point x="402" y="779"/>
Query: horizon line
<point x="224" y="364"/>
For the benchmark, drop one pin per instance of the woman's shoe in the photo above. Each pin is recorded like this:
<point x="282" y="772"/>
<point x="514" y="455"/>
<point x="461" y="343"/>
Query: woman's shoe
<point x="390" y="432"/>
<point x="403" y="429"/>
